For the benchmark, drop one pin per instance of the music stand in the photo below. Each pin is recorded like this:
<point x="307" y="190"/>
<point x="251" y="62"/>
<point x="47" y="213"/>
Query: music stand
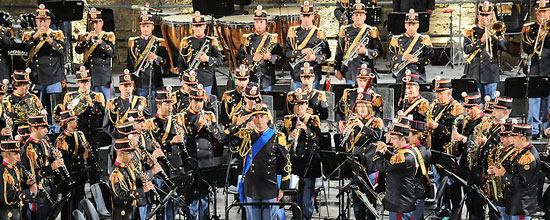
<point x="525" y="88"/>
<point x="58" y="206"/>
<point x="463" y="85"/>
<point x="182" y="182"/>
<point x="214" y="177"/>
<point x="396" y="22"/>
<point x="446" y="161"/>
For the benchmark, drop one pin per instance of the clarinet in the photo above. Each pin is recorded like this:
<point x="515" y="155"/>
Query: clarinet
<point x="157" y="145"/>
<point x="155" y="162"/>
<point x="88" y="147"/>
<point x="146" y="178"/>
<point x="42" y="189"/>
<point x="59" y="156"/>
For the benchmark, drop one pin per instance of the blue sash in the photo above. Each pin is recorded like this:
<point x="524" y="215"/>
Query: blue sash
<point x="256" y="147"/>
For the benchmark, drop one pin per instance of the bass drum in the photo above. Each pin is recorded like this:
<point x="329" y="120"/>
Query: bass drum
<point x="174" y="29"/>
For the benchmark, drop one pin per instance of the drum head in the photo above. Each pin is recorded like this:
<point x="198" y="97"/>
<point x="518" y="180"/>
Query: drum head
<point x="284" y="11"/>
<point x="182" y="19"/>
<point x="167" y="12"/>
<point x="237" y="19"/>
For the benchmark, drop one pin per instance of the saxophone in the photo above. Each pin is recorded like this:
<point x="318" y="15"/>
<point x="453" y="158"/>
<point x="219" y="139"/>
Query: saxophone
<point x="493" y="186"/>
<point x="473" y="149"/>
<point x="451" y="147"/>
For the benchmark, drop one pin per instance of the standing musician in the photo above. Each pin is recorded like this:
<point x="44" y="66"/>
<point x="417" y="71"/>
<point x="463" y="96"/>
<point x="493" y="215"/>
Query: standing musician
<point x="127" y="186"/>
<point x="89" y="107"/>
<point x="481" y="44"/>
<point x="306" y="43"/>
<point x="46" y="54"/>
<point x="411" y="47"/>
<point x="233" y="100"/>
<point x="534" y="44"/>
<point x="413" y="103"/>
<point x="6" y="43"/>
<point x="188" y="80"/>
<point x="202" y="132"/>
<point x="260" y="51"/>
<point x="424" y="155"/>
<point x="98" y="48"/>
<point x="6" y="123"/>
<point x="317" y="100"/>
<point x="520" y="174"/>
<point x="16" y="187"/>
<point x="21" y="103"/>
<point x="73" y="145"/>
<point x="304" y="133"/>
<point x="401" y="167"/>
<point x="40" y="159"/>
<point x="266" y="158"/>
<point x="200" y="53"/>
<point x="344" y="108"/>
<point x="344" y="10"/>
<point x="358" y="43"/>
<point x="146" y="57"/>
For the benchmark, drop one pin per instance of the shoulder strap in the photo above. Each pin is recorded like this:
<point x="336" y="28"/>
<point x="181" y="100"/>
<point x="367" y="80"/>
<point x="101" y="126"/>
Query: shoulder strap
<point x="308" y="37"/>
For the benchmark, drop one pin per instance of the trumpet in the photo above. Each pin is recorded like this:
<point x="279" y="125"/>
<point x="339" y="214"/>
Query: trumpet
<point x="497" y="28"/>
<point x="95" y="39"/>
<point x="316" y="49"/>
<point x="348" y="130"/>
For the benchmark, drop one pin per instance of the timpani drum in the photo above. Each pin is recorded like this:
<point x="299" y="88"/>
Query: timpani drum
<point x="174" y="29"/>
<point x="284" y="18"/>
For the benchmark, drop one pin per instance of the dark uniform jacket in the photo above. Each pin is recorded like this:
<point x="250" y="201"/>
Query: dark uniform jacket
<point x="345" y="106"/>
<point x="126" y="190"/>
<point x="521" y="180"/>
<point x="426" y="155"/>
<point x="308" y="142"/>
<point x="346" y="37"/>
<point x="266" y="69"/>
<point x="232" y="103"/>
<point x="189" y="47"/>
<point x="401" y="168"/>
<point x="417" y="107"/>
<point x="20" y="108"/>
<point x="98" y="57"/>
<point x="116" y="111"/>
<point x="400" y="43"/>
<point x="14" y="191"/>
<point x="202" y="144"/>
<point x="92" y="117"/>
<point x="344" y="9"/>
<point x="72" y="146"/>
<point x="295" y="42"/>
<point x="6" y="43"/>
<point x="361" y="137"/>
<point x="137" y="51"/>
<point x="46" y="60"/>
<point x="539" y="62"/>
<point x="483" y="68"/>
<point x="163" y="130"/>
<point x="466" y="127"/>
<point x="36" y="157"/>
<point x="317" y="100"/>
<point x="444" y="115"/>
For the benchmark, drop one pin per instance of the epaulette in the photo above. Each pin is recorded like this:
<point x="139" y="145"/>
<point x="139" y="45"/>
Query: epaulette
<point x="281" y="138"/>
<point x="184" y="42"/>
<point x="344" y="1"/>
<point x="394" y="42"/>
<point x="469" y="32"/>
<point x="245" y="39"/>
<point x="27" y="35"/>
<point x="398" y="158"/>
<point x="150" y="125"/>
<point x="58" y="35"/>
<point x="226" y="97"/>
<point x="68" y="97"/>
<point x="527" y="27"/>
<point x="116" y="176"/>
<point x="321" y="34"/>
<point x="292" y="32"/>
<point x="342" y="32"/>
<point x="143" y="101"/>
<point x="111" y="37"/>
<point x="131" y="41"/>
<point x="211" y="115"/>
<point x="31" y="154"/>
<point x="426" y="40"/>
<point x="162" y="42"/>
<point x="62" y="144"/>
<point x="99" y="97"/>
<point x="457" y="108"/>
<point x="214" y="41"/>
<point x="8" y="178"/>
<point x="377" y="100"/>
<point x="290" y="97"/>
<point x="526" y="159"/>
<point x="374" y="33"/>
<point x="316" y="120"/>
<point x="322" y="96"/>
<point x="110" y="105"/>
<point x="423" y="106"/>
<point x="377" y="123"/>
<point x="287" y="122"/>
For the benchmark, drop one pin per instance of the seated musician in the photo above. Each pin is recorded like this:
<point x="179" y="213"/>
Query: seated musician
<point x="188" y="80"/>
<point x="413" y="103"/>
<point x="21" y="103"/>
<point x="317" y="100"/>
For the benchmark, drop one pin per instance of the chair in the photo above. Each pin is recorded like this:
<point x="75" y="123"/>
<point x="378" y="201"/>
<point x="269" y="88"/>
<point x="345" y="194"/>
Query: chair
<point x="78" y="215"/>
<point x="98" y="192"/>
<point x="89" y="209"/>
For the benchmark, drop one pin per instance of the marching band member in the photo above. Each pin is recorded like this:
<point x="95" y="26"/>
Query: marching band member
<point x="344" y="10"/>
<point x="89" y="106"/>
<point x="345" y="105"/>
<point x="98" y="48"/>
<point x="6" y="43"/>
<point x="260" y="51"/>
<point x="317" y="100"/>
<point x="16" y="187"/>
<point x="348" y="49"/>
<point x="413" y="103"/>
<point x="424" y="155"/>
<point x="243" y="117"/>
<point x="200" y="53"/>
<point x="127" y="186"/>
<point x="400" y="167"/>
<point x="72" y="145"/>
<point x="404" y="47"/>
<point x="46" y="54"/>
<point x="304" y="132"/>
<point x="233" y="100"/>
<point x="6" y="122"/>
<point x="146" y="57"/>
<point x="520" y="174"/>
<point x="534" y="44"/>
<point x="188" y="80"/>
<point x="21" y="103"/>
<point x="482" y="44"/>
<point x="309" y="41"/>
<point x="40" y="159"/>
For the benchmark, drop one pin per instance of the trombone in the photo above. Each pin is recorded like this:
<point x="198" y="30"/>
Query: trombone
<point x="539" y="43"/>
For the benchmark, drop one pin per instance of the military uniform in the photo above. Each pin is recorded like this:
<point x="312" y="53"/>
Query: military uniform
<point x="483" y="66"/>
<point x="416" y="106"/>
<point x="407" y="44"/>
<point x="182" y="96"/>
<point x="162" y="130"/>
<point x="299" y="38"/>
<point x="344" y="9"/>
<point x="6" y="43"/>
<point x="424" y="157"/>
<point x="14" y="189"/>
<point x="317" y="100"/>
<point x="233" y="102"/>
<point x="444" y="114"/>
<point x="20" y="106"/>
<point x="345" y="106"/>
